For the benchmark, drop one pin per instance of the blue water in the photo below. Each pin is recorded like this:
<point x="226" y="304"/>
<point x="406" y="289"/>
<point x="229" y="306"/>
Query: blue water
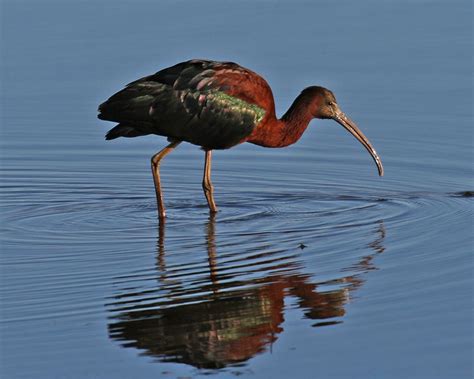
<point x="314" y="267"/>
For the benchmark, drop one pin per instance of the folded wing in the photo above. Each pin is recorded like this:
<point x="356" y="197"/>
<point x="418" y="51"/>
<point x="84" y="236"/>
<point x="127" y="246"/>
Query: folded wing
<point x="207" y="103"/>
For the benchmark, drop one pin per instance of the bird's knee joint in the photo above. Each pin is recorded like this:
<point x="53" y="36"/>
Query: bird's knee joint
<point x="207" y="187"/>
<point x="155" y="164"/>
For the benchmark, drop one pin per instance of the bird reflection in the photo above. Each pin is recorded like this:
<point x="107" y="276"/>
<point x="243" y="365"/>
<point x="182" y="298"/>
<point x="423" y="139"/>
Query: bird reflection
<point x="221" y="323"/>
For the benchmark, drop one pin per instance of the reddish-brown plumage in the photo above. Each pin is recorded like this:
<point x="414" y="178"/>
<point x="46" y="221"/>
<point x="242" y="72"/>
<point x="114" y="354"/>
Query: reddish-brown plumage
<point x="216" y="105"/>
<point x="248" y="86"/>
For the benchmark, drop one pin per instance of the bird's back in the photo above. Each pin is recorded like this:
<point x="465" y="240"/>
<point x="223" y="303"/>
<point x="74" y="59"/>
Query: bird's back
<point x="212" y="104"/>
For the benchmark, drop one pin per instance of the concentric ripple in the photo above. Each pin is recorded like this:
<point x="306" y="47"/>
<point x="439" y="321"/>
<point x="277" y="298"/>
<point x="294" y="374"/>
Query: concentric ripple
<point x="210" y="292"/>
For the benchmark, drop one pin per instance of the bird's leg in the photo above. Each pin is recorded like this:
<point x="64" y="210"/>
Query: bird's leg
<point x="155" y="169"/>
<point x="206" y="183"/>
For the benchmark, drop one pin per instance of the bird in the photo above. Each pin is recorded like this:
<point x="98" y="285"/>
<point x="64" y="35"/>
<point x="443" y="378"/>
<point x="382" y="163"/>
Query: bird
<point x="216" y="105"/>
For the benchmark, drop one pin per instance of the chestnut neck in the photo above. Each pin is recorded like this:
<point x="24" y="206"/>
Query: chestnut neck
<point x="287" y="130"/>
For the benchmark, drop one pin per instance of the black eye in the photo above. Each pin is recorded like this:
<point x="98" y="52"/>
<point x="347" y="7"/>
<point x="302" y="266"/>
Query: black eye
<point x="330" y="103"/>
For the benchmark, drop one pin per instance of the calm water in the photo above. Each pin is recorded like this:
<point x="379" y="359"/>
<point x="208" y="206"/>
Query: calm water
<point x="315" y="266"/>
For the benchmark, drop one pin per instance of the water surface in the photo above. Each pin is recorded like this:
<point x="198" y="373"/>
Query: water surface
<point x="314" y="266"/>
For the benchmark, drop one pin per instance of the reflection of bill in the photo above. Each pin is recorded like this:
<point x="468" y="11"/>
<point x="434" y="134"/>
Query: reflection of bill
<point x="230" y="326"/>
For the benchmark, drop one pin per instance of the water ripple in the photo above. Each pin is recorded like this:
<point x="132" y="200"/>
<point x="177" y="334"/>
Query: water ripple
<point x="210" y="292"/>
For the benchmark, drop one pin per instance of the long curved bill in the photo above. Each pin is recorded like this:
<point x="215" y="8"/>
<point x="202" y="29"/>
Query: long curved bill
<point x="352" y="128"/>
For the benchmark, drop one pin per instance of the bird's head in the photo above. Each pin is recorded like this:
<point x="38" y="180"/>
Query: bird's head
<point x="322" y="103"/>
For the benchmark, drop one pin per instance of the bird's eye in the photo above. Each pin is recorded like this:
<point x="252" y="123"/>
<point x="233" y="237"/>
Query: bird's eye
<point x="331" y="103"/>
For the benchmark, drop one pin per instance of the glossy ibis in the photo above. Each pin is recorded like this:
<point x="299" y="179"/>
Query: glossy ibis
<point x="215" y="105"/>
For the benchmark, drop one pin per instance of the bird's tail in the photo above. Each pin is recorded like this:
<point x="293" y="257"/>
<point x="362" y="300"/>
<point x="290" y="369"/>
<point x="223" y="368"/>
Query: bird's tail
<point x="123" y="130"/>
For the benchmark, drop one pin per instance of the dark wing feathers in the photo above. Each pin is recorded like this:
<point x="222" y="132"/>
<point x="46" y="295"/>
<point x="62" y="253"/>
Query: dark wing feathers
<point x="211" y="104"/>
<point x="212" y="119"/>
<point x="132" y="103"/>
